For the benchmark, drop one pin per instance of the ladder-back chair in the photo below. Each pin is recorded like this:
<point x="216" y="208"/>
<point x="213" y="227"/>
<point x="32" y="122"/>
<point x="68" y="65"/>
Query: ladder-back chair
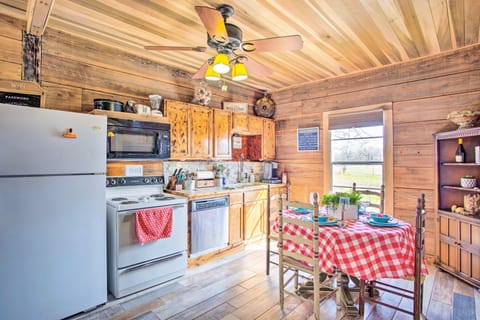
<point x="416" y="295"/>
<point x="380" y="193"/>
<point x="291" y="264"/>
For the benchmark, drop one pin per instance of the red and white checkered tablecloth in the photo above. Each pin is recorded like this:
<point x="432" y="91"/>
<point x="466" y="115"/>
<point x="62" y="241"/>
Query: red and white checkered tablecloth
<point x="360" y="250"/>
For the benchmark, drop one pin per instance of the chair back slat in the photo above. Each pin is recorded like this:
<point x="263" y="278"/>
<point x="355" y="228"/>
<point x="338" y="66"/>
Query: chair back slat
<point x="380" y="193"/>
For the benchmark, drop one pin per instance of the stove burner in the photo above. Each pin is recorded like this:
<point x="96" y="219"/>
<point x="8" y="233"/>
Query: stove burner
<point x="119" y="199"/>
<point x="158" y="195"/>
<point x="129" y="202"/>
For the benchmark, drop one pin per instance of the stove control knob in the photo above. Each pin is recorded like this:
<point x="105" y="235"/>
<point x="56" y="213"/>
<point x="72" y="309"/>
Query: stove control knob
<point x="154" y="180"/>
<point x="113" y="182"/>
<point x="123" y="181"/>
<point x="146" y="180"/>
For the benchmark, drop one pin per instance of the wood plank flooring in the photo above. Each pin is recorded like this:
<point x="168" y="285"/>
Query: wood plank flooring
<point x="236" y="287"/>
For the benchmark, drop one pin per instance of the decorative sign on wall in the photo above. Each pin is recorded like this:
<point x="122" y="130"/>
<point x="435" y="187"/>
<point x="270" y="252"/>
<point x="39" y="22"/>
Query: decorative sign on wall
<point x="22" y="93"/>
<point x="307" y="139"/>
<point x="236" y="106"/>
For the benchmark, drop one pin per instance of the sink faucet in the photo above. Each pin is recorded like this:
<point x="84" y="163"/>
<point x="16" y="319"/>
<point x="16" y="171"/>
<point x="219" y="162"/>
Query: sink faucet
<point x="240" y="168"/>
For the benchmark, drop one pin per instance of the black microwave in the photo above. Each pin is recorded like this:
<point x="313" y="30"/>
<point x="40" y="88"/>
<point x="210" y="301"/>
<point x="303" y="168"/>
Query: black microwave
<point x="131" y="139"/>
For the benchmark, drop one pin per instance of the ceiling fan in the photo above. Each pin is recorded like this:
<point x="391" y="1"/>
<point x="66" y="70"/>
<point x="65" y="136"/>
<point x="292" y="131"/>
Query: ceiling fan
<point x="226" y="39"/>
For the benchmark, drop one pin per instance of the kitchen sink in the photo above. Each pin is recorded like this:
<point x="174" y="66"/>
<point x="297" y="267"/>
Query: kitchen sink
<point x="242" y="185"/>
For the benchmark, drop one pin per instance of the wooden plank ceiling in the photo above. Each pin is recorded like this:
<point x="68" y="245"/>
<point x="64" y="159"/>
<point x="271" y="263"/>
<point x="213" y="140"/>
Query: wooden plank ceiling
<point x="340" y="36"/>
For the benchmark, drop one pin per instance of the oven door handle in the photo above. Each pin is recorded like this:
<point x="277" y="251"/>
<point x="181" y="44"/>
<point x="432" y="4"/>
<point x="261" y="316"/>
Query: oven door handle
<point x="153" y="262"/>
<point x="123" y="213"/>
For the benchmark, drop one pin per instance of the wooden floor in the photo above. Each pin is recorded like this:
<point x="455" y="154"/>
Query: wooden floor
<point x="236" y="287"/>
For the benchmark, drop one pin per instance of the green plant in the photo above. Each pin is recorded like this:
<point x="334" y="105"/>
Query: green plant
<point x="333" y="199"/>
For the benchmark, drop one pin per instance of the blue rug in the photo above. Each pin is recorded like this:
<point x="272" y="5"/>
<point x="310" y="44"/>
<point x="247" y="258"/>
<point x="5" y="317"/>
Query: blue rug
<point x="463" y="307"/>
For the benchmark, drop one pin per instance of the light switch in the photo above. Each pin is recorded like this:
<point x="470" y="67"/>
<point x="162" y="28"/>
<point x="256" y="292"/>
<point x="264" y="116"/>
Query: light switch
<point x="133" y="170"/>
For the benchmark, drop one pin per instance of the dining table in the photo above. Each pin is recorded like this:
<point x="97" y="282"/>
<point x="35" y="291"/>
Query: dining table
<point x="358" y="249"/>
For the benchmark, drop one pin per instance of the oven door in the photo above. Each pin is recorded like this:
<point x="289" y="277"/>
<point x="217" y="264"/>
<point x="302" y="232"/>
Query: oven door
<point x="131" y="252"/>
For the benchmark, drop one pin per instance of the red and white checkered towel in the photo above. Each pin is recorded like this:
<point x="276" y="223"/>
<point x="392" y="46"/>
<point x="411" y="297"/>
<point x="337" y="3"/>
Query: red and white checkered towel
<point x="153" y="224"/>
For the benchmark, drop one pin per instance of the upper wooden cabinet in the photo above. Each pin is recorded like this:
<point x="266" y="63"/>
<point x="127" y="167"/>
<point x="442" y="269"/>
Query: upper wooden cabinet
<point x="247" y="124"/>
<point x="222" y="134"/>
<point x="240" y="123"/>
<point x="268" y="139"/>
<point x="255" y="125"/>
<point x="190" y="130"/>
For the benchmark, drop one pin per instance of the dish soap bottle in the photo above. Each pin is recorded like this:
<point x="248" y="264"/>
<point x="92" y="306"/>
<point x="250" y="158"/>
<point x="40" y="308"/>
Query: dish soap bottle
<point x="251" y="178"/>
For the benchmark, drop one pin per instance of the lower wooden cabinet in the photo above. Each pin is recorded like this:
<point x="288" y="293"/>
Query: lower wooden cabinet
<point x="459" y="252"/>
<point x="255" y="209"/>
<point x="235" y="230"/>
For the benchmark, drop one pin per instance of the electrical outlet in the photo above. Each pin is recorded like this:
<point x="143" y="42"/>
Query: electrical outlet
<point x="133" y="170"/>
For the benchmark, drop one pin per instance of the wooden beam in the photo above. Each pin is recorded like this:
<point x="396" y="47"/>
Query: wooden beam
<point x="38" y="12"/>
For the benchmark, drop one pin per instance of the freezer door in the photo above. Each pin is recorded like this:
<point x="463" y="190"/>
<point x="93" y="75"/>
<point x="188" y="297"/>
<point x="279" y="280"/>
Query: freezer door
<point x="32" y="142"/>
<point x="52" y="245"/>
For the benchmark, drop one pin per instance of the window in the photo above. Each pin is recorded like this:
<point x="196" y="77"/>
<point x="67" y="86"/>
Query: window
<point x="357" y="148"/>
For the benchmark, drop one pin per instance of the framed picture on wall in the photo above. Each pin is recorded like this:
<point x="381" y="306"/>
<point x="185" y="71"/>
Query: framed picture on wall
<point x="307" y="139"/>
<point x="236" y="106"/>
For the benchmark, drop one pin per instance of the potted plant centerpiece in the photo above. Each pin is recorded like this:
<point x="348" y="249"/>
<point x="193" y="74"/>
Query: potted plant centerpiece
<point x="346" y="202"/>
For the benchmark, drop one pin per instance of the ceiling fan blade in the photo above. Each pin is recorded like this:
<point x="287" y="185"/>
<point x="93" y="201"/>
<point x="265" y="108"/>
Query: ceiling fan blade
<point x="273" y="44"/>
<point x="213" y="21"/>
<point x="174" y="48"/>
<point x="256" y="68"/>
<point x="200" y="74"/>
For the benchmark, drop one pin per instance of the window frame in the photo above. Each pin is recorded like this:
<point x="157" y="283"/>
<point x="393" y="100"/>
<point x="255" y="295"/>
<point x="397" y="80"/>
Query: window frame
<point x="386" y="109"/>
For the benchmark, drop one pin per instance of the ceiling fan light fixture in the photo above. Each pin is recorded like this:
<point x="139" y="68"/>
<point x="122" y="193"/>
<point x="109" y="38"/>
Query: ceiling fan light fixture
<point x="239" y="72"/>
<point x="221" y="64"/>
<point x="211" y="75"/>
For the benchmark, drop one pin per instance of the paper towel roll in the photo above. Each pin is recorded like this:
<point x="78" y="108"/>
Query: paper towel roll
<point x="205" y="175"/>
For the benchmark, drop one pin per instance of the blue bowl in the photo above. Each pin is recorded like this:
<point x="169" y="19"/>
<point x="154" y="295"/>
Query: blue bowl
<point x="380" y="218"/>
<point x="322" y="219"/>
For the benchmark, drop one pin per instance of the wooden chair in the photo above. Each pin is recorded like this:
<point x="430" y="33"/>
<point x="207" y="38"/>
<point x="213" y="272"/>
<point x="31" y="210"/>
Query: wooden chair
<point x="367" y="192"/>
<point x="291" y="264"/>
<point x="272" y="236"/>
<point x="416" y="295"/>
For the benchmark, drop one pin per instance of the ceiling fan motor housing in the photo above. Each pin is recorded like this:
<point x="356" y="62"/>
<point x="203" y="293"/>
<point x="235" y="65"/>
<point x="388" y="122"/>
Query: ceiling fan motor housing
<point x="235" y="35"/>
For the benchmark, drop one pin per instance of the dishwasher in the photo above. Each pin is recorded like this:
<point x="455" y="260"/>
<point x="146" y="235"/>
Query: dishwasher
<point x="209" y="225"/>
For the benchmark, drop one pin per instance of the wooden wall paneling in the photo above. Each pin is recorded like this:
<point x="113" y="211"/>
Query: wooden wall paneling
<point x="452" y="62"/>
<point x="11" y="50"/>
<point x="84" y="51"/>
<point x="11" y="27"/>
<point x="63" y="97"/>
<point x="11" y="71"/>
<point x="303" y="177"/>
<point x="418" y="132"/>
<point x="414" y="155"/>
<point x="63" y="71"/>
<point x="412" y="177"/>
<point x="435" y="108"/>
<point x="150" y="168"/>
<point x="407" y="198"/>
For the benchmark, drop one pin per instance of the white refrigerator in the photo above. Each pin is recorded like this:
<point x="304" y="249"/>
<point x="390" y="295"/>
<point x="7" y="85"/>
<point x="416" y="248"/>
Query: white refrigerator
<point x="52" y="213"/>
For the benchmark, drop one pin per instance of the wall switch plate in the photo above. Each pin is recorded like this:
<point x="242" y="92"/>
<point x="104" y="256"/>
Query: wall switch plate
<point x="133" y="170"/>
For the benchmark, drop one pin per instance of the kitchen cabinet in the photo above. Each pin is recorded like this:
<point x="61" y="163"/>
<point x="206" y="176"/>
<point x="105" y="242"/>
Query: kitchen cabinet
<point x="268" y="140"/>
<point x="246" y="124"/>
<point x="235" y="231"/>
<point x="222" y="134"/>
<point x="255" y="209"/>
<point x="458" y="235"/>
<point x="190" y="130"/>
<point x="240" y="123"/>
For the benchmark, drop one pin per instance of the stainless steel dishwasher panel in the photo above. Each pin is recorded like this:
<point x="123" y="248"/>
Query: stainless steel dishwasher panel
<point x="209" y="225"/>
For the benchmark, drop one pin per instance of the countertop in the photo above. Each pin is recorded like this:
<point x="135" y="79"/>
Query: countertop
<point x="199" y="193"/>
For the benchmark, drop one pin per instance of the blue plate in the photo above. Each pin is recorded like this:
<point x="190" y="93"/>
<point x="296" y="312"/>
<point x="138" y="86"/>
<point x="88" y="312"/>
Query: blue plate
<point x="328" y="223"/>
<point x="393" y="223"/>
<point x="302" y="211"/>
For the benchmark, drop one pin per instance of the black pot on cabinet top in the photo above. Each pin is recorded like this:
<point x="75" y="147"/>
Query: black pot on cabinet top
<point x="106" y="104"/>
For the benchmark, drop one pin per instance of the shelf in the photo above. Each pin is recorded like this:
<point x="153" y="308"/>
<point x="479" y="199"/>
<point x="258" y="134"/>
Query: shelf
<point x="461" y="164"/>
<point x="462" y="189"/>
<point x="129" y="116"/>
